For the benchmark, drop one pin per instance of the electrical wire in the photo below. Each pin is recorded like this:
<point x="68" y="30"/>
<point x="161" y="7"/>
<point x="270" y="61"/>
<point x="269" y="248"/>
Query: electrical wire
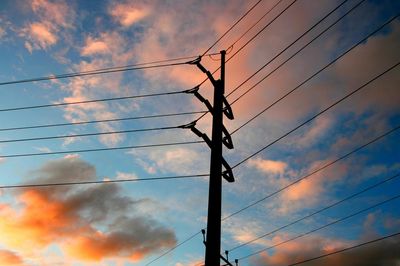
<point x="138" y="66"/>
<point x="260" y="31"/>
<point x="234" y="25"/>
<point x="174" y="247"/>
<point x="314" y="172"/>
<point x="319" y="113"/>
<point x="377" y="184"/>
<point x="285" y="49"/>
<point x="242" y="47"/>
<point x="101" y="121"/>
<point x="308" y="79"/>
<point x="295" y="41"/>
<point x="322" y="227"/>
<point x="255" y="24"/>
<point x="91" y="101"/>
<point x="89" y="134"/>
<point x="345" y="249"/>
<point x="100" y="149"/>
<point x="100" y="181"/>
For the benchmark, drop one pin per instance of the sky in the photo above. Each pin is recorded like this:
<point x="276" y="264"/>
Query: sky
<point x="316" y="155"/>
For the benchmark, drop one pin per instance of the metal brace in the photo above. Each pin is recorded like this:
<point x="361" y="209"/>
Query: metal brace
<point x="227" y="174"/>
<point x="203" y="69"/>
<point x="227" y="109"/>
<point x="227" y="139"/>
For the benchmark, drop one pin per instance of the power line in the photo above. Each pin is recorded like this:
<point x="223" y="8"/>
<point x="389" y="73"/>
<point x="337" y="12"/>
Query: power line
<point x="292" y="43"/>
<point x="342" y="157"/>
<point x="345" y="249"/>
<point x="324" y="226"/>
<point x="254" y="24"/>
<point x="138" y="66"/>
<point x="285" y="49"/>
<point x="101" y="121"/>
<point x="174" y="247"/>
<point x="234" y="24"/>
<point x="100" y="149"/>
<point x="314" y="172"/>
<point x="162" y="255"/>
<point x="308" y="79"/>
<point x="100" y="181"/>
<point x="318" y="211"/>
<point x="89" y="134"/>
<point x="319" y="113"/>
<point x="260" y="31"/>
<point x="91" y="101"/>
<point x="243" y="46"/>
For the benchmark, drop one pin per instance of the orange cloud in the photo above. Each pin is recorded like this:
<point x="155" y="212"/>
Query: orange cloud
<point x="42" y="35"/>
<point x="58" y="12"/>
<point x="87" y="223"/>
<point x="93" y="46"/>
<point x="269" y="166"/>
<point x="128" y="14"/>
<point x="9" y="258"/>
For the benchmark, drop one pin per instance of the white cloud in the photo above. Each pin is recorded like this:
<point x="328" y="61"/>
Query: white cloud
<point x="125" y="176"/>
<point x="268" y="166"/>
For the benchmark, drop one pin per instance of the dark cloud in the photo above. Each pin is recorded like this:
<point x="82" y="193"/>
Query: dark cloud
<point x="381" y="253"/>
<point x="89" y="222"/>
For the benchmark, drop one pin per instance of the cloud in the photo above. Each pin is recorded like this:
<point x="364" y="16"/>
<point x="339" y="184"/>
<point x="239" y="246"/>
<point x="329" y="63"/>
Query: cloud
<point x="382" y="253"/>
<point x="58" y="12"/>
<point x="268" y="166"/>
<point x="2" y="32"/>
<point x="51" y="19"/>
<point x="128" y="14"/>
<point x="9" y="258"/>
<point x="87" y="223"/>
<point x="40" y="35"/>
<point x="171" y="160"/>
<point x="93" y="46"/>
<point x="124" y="176"/>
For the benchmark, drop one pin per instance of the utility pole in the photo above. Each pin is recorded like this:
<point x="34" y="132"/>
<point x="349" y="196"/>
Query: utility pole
<point x="220" y="136"/>
<point x="213" y="246"/>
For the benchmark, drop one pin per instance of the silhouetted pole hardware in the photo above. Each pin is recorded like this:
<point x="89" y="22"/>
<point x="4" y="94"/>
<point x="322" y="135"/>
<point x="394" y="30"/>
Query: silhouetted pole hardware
<point x="226" y="260"/>
<point x="219" y="136"/>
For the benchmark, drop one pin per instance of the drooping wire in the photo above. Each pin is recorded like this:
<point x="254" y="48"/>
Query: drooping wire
<point x="322" y="227"/>
<point x="252" y="39"/>
<point x="255" y="24"/>
<point x="260" y="31"/>
<point x="100" y="181"/>
<point x="101" y="121"/>
<point x="295" y="41"/>
<point x="328" y="164"/>
<point x="132" y="67"/>
<point x="346" y="249"/>
<point x="91" y="101"/>
<point x="89" y="134"/>
<point x="231" y="27"/>
<point x="377" y="184"/>
<point x="319" y="113"/>
<point x="99" y="149"/>
<point x="306" y="80"/>
<point x="174" y="247"/>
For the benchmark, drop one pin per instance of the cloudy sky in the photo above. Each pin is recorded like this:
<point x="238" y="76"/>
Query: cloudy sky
<point x="314" y="91"/>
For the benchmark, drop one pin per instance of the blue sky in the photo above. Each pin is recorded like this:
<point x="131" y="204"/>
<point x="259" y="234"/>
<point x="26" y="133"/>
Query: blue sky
<point x="133" y="223"/>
